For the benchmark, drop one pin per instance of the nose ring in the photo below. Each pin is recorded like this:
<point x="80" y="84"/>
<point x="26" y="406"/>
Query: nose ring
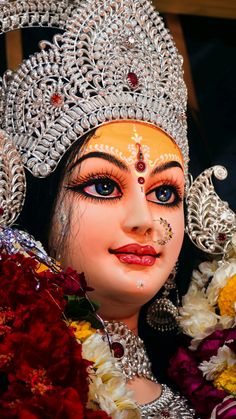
<point x="168" y="232"/>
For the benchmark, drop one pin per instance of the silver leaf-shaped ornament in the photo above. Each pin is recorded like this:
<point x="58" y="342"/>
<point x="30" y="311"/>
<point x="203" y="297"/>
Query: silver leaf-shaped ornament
<point x="12" y="181"/>
<point x="210" y="222"/>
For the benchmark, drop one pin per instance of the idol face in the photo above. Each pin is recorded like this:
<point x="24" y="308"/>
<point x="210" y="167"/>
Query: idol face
<point x="121" y="212"/>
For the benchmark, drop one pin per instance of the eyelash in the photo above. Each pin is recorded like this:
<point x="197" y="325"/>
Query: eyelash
<point x="175" y="188"/>
<point x="79" y="184"/>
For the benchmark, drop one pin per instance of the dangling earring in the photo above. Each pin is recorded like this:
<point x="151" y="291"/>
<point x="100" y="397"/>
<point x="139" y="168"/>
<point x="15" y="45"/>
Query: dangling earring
<point x="162" y="313"/>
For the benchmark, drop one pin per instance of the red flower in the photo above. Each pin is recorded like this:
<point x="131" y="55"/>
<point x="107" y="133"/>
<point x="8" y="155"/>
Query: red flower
<point x="41" y="364"/>
<point x="98" y="414"/>
<point x="184" y="371"/>
<point x="70" y="281"/>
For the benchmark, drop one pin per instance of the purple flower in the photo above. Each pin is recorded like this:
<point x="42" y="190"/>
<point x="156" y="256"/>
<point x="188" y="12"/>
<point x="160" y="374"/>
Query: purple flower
<point x="183" y="370"/>
<point x="226" y="409"/>
<point x="210" y="345"/>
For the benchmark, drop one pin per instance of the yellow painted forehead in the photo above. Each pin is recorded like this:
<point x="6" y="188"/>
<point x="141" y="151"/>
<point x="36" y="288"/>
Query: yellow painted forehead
<point x="121" y="139"/>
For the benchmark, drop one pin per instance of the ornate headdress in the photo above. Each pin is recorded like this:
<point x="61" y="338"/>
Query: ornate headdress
<point x="115" y="60"/>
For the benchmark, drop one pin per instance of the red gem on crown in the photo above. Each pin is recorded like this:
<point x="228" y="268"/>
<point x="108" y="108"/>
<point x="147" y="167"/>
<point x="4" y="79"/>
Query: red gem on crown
<point x="222" y="237"/>
<point x="132" y="79"/>
<point x="140" y="166"/>
<point x="165" y="413"/>
<point x="57" y="100"/>
<point x="118" y="349"/>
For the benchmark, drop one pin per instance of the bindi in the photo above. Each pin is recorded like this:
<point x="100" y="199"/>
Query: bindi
<point x="140" y="165"/>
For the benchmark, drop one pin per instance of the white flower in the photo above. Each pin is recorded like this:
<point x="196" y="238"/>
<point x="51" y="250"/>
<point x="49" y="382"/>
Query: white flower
<point x="227" y="322"/>
<point x="107" y="389"/>
<point x="113" y="398"/>
<point x="197" y="317"/>
<point x="200" y="325"/>
<point x="225" y="358"/>
<point x="208" y="268"/>
<point x="205" y="271"/>
<point x="219" y="280"/>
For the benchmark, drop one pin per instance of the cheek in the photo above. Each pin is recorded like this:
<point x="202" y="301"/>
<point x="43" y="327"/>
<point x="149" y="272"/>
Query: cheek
<point x="92" y="227"/>
<point x="177" y="225"/>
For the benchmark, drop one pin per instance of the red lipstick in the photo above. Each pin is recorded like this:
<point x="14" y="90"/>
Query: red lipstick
<point x="135" y="254"/>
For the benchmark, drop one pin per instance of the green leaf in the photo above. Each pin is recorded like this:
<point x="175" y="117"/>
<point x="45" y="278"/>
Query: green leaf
<point x="80" y="308"/>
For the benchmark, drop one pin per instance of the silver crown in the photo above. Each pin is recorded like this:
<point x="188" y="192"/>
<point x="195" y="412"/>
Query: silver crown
<point x="116" y="60"/>
<point x="12" y="182"/>
<point x="28" y="13"/>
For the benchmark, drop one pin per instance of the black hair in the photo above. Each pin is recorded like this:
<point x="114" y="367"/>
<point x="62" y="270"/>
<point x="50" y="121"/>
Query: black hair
<point x="42" y="193"/>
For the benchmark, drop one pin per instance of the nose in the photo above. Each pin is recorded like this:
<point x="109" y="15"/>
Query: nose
<point x="138" y="217"/>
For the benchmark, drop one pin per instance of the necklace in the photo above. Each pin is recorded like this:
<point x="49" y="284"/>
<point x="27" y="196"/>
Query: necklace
<point x="131" y="356"/>
<point x="129" y="351"/>
<point x="169" y="405"/>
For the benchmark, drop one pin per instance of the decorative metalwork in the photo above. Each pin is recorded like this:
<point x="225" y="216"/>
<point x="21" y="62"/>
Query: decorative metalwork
<point x="168" y="232"/>
<point x="169" y="405"/>
<point x="12" y="181"/>
<point x="15" y="241"/>
<point x="32" y="13"/>
<point x="134" y="361"/>
<point x="162" y="314"/>
<point x="210" y="221"/>
<point x="116" y="60"/>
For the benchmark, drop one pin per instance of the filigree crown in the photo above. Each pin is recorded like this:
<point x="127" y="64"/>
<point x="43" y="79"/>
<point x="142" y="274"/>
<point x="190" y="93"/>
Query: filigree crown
<point x="115" y="60"/>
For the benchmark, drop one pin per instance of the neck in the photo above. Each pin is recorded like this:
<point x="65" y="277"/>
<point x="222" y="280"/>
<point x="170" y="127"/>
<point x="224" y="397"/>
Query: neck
<point x="130" y="321"/>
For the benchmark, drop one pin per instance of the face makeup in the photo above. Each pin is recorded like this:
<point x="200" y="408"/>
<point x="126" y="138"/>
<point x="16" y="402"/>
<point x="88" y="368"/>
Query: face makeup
<point x="114" y="237"/>
<point x="136" y="254"/>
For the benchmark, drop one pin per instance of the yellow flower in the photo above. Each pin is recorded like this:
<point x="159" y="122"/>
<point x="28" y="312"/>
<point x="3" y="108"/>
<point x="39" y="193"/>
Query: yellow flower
<point x="41" y="268"/>
<point x="227" y="298"/>
<point x="82" y="330"/>
<point x="227" y="380"/>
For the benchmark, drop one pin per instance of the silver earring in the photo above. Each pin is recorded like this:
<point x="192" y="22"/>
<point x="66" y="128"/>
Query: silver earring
<point x="162" y="314"/>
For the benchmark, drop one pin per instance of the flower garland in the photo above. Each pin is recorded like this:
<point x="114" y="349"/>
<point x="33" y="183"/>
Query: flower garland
<point x="107" y="387"/>
<point x="205" y="368"/>
<point x="51" y="366"/>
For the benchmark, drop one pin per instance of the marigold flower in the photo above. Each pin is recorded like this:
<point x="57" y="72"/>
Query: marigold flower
<point x="82" y="330"/>
<point x="227" y="380"/>
<point x="227" y="298"/>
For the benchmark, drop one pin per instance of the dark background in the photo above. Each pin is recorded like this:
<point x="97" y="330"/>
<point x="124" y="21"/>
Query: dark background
<point x="211" y="44"/>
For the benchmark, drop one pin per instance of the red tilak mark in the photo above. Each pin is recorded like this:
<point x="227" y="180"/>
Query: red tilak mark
<point x="141" y="180"/>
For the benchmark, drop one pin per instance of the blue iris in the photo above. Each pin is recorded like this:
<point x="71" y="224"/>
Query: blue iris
<point x="105" y="187"/>
<point x="164" y="193"/>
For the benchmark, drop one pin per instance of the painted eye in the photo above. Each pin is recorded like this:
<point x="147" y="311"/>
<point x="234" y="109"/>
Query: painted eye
<point x="164" y="194"/>
<point x="103" y="188"/>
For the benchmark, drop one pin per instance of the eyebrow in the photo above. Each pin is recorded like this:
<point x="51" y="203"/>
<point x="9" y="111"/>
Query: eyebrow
<point x="111" y="159"/>
<point x="118" y="163"/>
<point x="165" y="166"/>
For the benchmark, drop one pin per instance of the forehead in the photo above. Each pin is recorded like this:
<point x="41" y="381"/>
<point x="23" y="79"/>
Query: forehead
<point x="120" y="138"/>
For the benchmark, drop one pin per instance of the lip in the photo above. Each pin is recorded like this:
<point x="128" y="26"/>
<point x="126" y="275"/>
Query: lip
<point x="135" y="254"/>
<point x="135" y="249"/>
